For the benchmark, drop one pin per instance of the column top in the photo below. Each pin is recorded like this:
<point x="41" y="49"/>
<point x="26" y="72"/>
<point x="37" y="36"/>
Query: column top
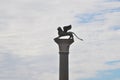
<point x="64" y="44"/>
<point x="64" y="41"/>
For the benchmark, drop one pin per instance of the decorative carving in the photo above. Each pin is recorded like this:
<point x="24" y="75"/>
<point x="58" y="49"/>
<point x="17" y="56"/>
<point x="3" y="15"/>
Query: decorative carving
<point x="64" y="32"/>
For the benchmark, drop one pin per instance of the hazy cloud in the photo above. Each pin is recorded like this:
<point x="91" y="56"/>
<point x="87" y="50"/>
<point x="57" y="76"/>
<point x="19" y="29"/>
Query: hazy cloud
<point x="27" y="30"/>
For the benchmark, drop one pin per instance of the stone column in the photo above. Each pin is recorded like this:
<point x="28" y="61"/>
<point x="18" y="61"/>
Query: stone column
<point x="64" y="45"/>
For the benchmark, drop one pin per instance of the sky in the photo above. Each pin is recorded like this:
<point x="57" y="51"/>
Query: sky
<point x="28" y="27"/>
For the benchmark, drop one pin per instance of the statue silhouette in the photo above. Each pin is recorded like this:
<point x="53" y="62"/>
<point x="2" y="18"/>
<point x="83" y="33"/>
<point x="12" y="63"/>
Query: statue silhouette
<point x="64" y="32"/>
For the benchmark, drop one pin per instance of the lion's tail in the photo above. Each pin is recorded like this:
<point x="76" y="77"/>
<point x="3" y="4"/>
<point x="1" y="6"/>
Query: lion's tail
<point x="77" y="36"/>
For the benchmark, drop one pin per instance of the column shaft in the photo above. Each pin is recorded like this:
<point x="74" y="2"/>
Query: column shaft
<point x="64" y="45"/>
<point x="64" y="66"/>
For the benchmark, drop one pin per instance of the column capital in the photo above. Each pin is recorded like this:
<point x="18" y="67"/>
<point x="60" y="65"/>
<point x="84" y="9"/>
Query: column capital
<point x="64" y="44"/>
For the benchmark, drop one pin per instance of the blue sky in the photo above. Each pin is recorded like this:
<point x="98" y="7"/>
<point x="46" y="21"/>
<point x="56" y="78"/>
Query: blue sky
<point x="107" y="75"/>
<point x="28" y="27"/>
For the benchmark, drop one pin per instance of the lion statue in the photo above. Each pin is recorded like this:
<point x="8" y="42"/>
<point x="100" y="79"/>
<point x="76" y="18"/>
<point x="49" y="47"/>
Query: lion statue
<point x="64" y="32"/>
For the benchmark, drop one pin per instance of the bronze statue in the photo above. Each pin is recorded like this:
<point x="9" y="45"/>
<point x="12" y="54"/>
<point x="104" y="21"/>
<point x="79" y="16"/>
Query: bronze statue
<point x="64" y="32"/>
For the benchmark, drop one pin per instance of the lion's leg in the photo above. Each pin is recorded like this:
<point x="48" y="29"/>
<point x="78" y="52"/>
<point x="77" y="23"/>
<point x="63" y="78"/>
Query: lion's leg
<point x="71" y="36"/>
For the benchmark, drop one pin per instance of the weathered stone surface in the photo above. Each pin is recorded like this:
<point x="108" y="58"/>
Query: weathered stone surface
<point x="64" y="45"/>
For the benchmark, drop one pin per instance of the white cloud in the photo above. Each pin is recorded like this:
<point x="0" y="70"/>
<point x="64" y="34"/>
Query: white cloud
<point x="27" y="29"/>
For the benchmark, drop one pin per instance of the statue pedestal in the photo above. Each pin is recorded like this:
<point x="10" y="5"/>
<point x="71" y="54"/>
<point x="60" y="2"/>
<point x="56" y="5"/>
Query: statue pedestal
<point x="64" y="45"/>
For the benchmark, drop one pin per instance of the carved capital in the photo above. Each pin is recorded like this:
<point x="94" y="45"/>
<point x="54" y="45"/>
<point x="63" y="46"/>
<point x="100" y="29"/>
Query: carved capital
<point x="64" y="44"/>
